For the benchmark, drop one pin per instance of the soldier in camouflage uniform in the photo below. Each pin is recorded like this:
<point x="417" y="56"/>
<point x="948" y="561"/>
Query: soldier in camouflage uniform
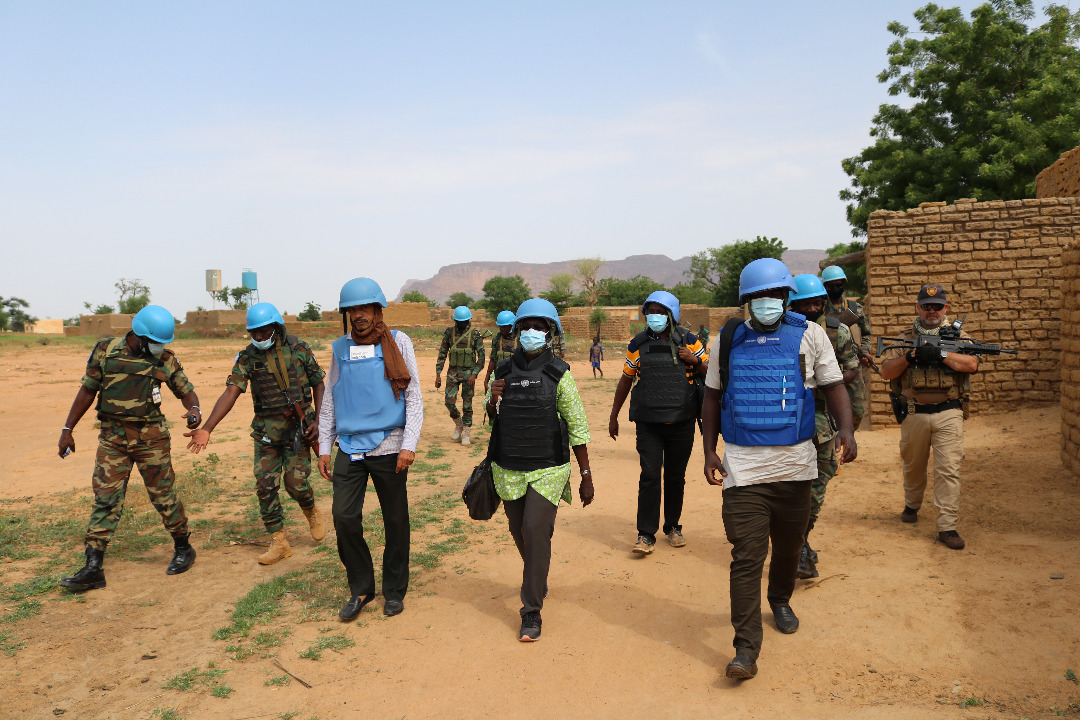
<point x="810" y="301"/>
<point x="850" y="314"/>
<point x="502" y="344"/>
<point x="126" y="375"/>
<point x="284" y="376"/>
<point x="463" y="349"/>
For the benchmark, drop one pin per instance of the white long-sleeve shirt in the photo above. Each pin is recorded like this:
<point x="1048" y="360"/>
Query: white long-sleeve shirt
<point x="406" y="438"/>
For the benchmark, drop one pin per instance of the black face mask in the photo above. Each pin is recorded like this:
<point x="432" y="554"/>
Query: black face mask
<point x="812" y="316"/>
<point x="835" y="293"/>
<point x="461" y="325"/>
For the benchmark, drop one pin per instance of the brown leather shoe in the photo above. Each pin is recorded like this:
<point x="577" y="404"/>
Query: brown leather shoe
<point x="952" y="539"/>
<point x="741" y="667"/>
<point x="909" y="515"/>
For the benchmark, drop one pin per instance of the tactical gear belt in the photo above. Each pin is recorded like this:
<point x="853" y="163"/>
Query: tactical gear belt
<point x="938" y="407"/>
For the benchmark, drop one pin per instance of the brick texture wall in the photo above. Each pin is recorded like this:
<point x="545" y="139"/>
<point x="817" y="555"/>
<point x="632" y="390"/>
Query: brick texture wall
<point x="1001" y="263"/>
<point x="1062" y="179"/>
<point x="1070" y="358"/>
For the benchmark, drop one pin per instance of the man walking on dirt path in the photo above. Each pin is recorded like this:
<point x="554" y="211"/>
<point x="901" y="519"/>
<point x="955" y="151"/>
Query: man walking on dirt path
<point x="373" y="413"/>
<point x="285" y="378"/>
<point x="936" y="386"/>
<point x="596" y="356"/>
<point x="760" y="395"/>
<point x="463" y="348"/>
<point x="126" y="375"/>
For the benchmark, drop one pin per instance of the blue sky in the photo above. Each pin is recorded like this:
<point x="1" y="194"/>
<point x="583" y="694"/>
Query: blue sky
<point x="319" y="141"/>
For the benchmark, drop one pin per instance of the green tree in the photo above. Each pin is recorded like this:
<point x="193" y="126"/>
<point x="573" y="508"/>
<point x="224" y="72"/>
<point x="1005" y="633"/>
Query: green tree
<point x="856" y="272"/>
<point x="504" y="293"/>
<point x="560" y="291"/>
<point x="597" y="318"/>
<point x="417" y="296"/>
<point x="633" y="291"/>
<point x="459" y="298"/>
<point x="692" y="293"/>
<point x="586" y="269"/>
<point x="991" y="103"/>
<point x="718" y="269"/>
<point x="134" y="295"/>
<point x="234" y="298"/>
<point x="15" y="315"/>
<point x="311" y="313"/>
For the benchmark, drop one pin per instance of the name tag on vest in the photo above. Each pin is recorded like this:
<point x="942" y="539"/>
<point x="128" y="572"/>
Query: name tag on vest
<point x="361" y="352"/>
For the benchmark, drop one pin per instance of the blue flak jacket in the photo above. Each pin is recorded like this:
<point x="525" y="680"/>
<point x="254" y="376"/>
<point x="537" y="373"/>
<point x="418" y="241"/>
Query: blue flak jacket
<point x="364" y="405"/>
<point x="766" y="401"/>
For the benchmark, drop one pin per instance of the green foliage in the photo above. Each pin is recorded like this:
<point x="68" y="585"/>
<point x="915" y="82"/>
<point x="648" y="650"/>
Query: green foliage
<point x="990" y="103"/>
<point x="134" y="295"/>
<point x="615" y="292"/>
<point x="193" y="677"/>
<point x="326" y="642"/>
<point x="311" y="313"/>
<point x="459" y="298"/>
<point x="1071" y="677"/>
<point x="417" y="296"/>
<point x="235" y="298"/>
<point x="101" y="309"/>
<point x="13" y="315"/>
<point x="597" y="318"/>
<point x="692" y="293"/>
<point x="560" y="291"/>
<point x="504" y="293"/>
<point x="718" y="269"/>
<point x="971" y="702"/>
<point x="856" y="273"/>
<point x="168" y="714"/>
<point x="586" y="269"/>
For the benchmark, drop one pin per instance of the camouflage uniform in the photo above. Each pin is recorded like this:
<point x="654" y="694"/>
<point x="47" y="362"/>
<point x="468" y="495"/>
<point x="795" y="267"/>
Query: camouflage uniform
<point x="825" y="435"/>
<point x="853" y="316"/>
<point x="502" y="346"/>
<point x="466" y="359"/>
<point x="274" y="425"/>
<point x="133" y="431"/>
<point x="558" y="346"/>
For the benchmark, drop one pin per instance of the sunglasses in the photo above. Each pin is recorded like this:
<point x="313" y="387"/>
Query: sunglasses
<point x="929" y="307"/>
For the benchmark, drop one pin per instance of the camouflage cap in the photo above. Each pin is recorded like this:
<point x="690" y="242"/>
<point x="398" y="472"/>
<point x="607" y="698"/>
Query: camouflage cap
<point x="932" y="295"/>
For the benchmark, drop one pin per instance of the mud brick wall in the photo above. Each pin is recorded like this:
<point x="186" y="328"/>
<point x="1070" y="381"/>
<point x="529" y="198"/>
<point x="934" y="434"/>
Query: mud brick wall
<point x="1001" y="263"/>
<point x="1062" y="179"/>
<point x="1070" y="358"/>
<point x="101" y="326"/>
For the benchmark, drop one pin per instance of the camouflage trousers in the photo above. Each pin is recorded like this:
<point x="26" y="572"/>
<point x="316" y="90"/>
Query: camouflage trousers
<point x="122" y="445"/>
<point x="276" y="461"/>
<point x="827" y="463"/>
<point x="455" y="378"/>
<point x="857" y="392"/>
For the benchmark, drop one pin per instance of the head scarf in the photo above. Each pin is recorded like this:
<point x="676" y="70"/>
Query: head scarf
<point x="396" y="371"/>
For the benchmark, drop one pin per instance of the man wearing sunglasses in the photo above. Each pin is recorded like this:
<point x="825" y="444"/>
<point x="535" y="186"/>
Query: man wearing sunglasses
<point x="937" y="386"/>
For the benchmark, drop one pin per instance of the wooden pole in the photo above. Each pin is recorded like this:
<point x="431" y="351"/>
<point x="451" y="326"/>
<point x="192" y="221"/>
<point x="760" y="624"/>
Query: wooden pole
<point x="849" y="259"/>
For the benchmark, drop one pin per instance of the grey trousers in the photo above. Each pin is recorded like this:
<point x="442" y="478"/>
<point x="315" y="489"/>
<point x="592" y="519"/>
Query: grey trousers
<point x="532" y="523"/>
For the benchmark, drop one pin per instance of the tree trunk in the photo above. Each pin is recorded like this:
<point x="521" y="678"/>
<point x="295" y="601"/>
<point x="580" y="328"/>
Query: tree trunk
<point x="849" y="259"/>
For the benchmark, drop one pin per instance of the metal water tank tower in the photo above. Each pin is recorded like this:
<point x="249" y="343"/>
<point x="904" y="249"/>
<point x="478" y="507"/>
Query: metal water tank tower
<point x="250" y="280"/>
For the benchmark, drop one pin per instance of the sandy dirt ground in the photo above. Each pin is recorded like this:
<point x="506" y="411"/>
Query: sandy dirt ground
<point x="897" y="626"/>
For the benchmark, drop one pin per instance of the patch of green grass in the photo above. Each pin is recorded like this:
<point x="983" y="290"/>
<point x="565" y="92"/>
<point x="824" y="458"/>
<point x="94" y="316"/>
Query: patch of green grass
<point x="431" y="556"/>
<point x="221" y="691"/>
<point x="288" y="715"/>
<point x="23" y="611"/>
<point x="193" y="677"/>
<point x="971" y="702"/>
<point x="260" y="605"/>
<point x="31" y="588"/>
<point x="435" y="452"/>
<point x="327" y="642"/>
<point x="280" y="681"/>
<point x="1071" y="677"/>
<point x="9" y="645"/>
<point x="168" y="714"/>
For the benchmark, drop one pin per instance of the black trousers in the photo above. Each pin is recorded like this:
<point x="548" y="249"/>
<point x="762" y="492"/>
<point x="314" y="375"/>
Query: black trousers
<point x="350" y="487"/>
<point x="753" y="515"/>
<point x="662" y="447"/>
<point x="532" y="523"/>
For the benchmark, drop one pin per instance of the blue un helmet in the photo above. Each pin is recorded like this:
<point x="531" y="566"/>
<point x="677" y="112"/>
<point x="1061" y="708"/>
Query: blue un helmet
<point x="462" y="313"/>
<point x="540" y="308"/>
<point x="807" y="286"/>
<point x="154" y="322"/>
<point x="764" y="274"/>
<point x="663" y="297"/>
<point x="360" y="291"/>
<point x="505" y="318"/>
<point x="263" y="314"/>
<point x="833" y="272"/>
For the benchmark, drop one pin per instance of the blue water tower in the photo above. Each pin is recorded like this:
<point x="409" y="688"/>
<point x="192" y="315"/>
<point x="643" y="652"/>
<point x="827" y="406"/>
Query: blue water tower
<point x="250" y="280"/>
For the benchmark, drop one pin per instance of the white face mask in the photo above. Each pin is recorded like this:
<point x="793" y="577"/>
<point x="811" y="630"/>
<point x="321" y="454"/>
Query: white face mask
<point x="263" y="344"/>
<point x="767" y="310"/>
<point x="155" y="348"/>
<point x="532" y="340"/>
<point x="657" y="323"/>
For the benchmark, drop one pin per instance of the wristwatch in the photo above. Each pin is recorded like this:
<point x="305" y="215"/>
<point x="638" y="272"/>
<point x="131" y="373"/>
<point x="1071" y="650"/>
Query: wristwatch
<point x="944" y="354"/>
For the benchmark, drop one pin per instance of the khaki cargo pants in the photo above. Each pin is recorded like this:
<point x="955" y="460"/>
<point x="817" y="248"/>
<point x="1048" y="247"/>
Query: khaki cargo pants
<point x="944" y="432"/>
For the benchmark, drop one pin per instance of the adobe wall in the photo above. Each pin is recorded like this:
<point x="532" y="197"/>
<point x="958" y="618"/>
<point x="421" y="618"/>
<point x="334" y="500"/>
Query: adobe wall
<point x="1001" y="263"/>
<point x="1070" y="358"/>
<point x="1062" y="179"/>
<point x="101" y="326"/>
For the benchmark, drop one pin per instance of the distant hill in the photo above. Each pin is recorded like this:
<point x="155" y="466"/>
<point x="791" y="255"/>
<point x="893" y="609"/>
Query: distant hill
<point x="470" y="277"/>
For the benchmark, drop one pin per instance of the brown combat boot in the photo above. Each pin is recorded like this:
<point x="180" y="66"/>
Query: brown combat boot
<point x="279" y="549"/>
<point x="466" y="435"/>
<point x="316" y="522"/>
<point x="458" y="427"/>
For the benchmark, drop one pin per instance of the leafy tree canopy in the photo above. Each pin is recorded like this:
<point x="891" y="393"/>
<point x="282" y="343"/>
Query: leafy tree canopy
<point x="504" y="293"/>
<point x="311" y="313"/>
<point x="586" y="269"/>
<point x="856" y="273"/>
<point x="134" y="295"/>
<point x="560" y="291"/>
<point x="417" y="296"/>
<point x="992" y="102"/>
<point x="459" y="298"/>
<point x="693" y="293"/>
<point x="14" y="315"/>
<point x="615" y="292"/>
<point x="718" y="269"/>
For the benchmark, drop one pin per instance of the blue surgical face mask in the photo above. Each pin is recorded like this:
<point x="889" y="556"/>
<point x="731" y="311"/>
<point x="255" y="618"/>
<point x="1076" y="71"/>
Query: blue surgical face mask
<point x="532" y="340"/>
<point x="263" y="344"/>
<point x="657" y="323"/>
<point x="767" y="310"/>
<point x="155" y="348"/>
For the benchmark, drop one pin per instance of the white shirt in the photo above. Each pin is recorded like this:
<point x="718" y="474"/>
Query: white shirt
<point x="399" y="439"/>
<point x="753" y="465"/>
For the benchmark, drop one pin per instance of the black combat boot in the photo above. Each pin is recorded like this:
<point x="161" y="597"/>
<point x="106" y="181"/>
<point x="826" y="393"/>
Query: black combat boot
<point x="807" y="567"/>
<point x="806" y="541"/>
<point x="183" y="555"/>
<point x="92" y="576"/>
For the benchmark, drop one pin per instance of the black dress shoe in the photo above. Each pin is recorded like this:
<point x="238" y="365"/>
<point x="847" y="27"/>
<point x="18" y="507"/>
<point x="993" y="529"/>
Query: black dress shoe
<point x="352" y="608"/>
<point x="391" y="608"/>
<point x="741" y="667"/>
<point x="787" y="621"/>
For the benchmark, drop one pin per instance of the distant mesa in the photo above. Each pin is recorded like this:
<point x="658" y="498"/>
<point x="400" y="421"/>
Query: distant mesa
<point x="470" y="277"/>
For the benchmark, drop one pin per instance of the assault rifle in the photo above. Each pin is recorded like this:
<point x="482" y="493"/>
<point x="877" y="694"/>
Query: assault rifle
<point x="926" y="350"/>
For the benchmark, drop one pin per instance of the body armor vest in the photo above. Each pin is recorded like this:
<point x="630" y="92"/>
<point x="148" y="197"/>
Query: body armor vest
<point x="663" y="393"/>
<point x="504" y="347"/>
<point x="531" y="433"/>
<point x="365" y="409"/>
<point x="766" y="401"/>
<point x="926" y="386"/>
<point x="461" y="353"/>
<point x="129" y="382"/>
<point x="267" y="397"/>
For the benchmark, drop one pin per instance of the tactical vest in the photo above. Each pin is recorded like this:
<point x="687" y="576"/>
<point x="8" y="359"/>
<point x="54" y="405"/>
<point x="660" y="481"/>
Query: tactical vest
<point x="129" y="382"/>
<point x="831" y="323"/>
<point x="461" y="353"/>
<point x="849" y="315"/>
<point x="531" y="435"/>
<point x="663" y="393"/>
<point x="766" y="401"/>
<point x="927" y="386"/>
<point x="503" y="347"/>
<point x="365" y="409"/>
<point x="267" y="397"/>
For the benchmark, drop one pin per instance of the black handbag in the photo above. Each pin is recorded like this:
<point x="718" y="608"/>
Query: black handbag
<point x="479" y="494"/>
